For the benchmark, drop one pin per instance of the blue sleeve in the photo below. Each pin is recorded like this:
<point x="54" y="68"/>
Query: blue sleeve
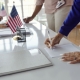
<point x="72" y="19"/>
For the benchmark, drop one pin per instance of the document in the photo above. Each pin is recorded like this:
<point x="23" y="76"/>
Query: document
<point x="6" y="33"/>
<point x="58" y="50"/>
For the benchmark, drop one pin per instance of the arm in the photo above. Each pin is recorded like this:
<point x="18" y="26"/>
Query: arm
<point x="37" y="9"/>
<point x="39" y="4"/>
<point x="70" y="22"/>
<point x="72" y="19"/>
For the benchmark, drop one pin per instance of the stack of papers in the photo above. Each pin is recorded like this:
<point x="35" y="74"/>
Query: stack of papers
<point x="58" y="50"/>
<point x="6" y="32"/>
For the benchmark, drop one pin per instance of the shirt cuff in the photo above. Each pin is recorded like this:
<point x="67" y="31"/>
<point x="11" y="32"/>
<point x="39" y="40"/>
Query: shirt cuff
<point x="64" y="32"/>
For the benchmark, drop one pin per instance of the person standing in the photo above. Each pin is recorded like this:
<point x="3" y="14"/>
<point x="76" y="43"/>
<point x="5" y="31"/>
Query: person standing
<point x="56" y="11"/>
<point x="69" y="23"/>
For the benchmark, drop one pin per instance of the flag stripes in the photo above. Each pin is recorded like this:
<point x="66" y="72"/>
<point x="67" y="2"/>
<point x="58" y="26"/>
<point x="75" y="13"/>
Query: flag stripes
<point x="3" y="11"/>
<point x="14" y="20"/>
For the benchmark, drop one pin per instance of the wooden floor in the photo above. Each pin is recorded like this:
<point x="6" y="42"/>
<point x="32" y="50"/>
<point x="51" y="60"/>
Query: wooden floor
<point x="74" y="36"/>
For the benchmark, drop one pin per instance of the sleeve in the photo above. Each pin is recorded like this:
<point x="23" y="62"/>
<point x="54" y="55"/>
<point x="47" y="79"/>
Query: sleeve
<point x="39" y="2"/>
<point x="72" y="19"/>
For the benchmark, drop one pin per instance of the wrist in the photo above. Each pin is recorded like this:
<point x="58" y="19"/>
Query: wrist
<point x="32" y="16"/>
<point x="60" y="36"/>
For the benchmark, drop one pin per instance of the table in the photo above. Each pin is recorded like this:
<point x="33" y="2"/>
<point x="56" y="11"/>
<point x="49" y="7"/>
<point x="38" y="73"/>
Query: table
<point x="59" y="71"/>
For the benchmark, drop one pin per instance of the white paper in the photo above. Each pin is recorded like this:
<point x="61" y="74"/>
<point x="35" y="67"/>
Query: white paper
<point x="6" y="32"/>
<point x="58" y="50"/>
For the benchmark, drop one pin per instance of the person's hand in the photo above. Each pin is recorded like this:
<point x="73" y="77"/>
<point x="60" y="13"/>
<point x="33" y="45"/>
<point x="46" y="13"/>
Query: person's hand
<point x="4" y="25"/>
<point x="1" y="18"/>
<point x="55" y="40"/>
<point x="28" y="19"/>
<point x="73" y="57"/>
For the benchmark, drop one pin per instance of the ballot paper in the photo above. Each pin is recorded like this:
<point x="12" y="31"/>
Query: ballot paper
<point x="59" y="50"/>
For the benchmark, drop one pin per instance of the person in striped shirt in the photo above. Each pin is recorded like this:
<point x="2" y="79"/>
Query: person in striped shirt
<point x="56" y="11"/>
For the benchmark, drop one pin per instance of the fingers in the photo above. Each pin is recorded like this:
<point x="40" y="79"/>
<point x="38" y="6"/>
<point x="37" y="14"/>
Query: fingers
<point x="47" y="43"/>
<point x="56" y="39"/>
<point x="74" y="62"/>
<point x="68" y="54"/>
<point x="77" y="60"/>
<point x="73" y="57"/>
<point x="26" y="20"/>
<point x="52" y="43"/>
<point x="68" y="58"/>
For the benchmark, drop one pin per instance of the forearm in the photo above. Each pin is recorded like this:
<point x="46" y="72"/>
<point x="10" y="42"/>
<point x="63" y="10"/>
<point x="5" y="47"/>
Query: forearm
<point x="72" y="19"/>
<point x="36" y="11"/>
<point x="59" y="36"/>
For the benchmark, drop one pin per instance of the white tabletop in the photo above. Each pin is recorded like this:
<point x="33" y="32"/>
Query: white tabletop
<point x="59" y="71"/>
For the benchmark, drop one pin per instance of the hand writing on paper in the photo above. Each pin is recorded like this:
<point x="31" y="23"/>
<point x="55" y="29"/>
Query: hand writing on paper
<point x="73" y="57"/>
<point x="55" y="40"/>
<point x="48" y="43"/>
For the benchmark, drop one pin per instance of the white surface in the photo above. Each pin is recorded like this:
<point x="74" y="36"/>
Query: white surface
<point x="58" y="50"/>
<point x="59" y="71"/>
<point x="8" y="33"/>
<point x="17" y="61"/>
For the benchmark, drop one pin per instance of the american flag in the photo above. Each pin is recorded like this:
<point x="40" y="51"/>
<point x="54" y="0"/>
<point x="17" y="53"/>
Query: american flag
<point x="3" y="11"/>
<point x="14" y="20"/>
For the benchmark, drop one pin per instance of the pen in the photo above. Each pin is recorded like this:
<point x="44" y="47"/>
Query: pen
<point x="49" y="38"/>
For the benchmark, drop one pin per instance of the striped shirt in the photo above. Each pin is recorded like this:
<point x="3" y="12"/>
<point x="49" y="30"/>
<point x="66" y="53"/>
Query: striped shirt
<point x="50" y="5"/>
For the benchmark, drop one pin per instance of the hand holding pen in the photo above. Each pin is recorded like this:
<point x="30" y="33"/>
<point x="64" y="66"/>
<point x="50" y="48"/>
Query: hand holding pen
<point x="54" y="40"/>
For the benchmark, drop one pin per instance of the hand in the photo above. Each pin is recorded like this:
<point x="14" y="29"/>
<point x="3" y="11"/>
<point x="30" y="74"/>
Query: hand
<point x="28" y="19"/>
<point x="73" y="57"/>
<point x="1" y="18"/>
<point x="55" y="40"/>
<point x="47" y="42"/>
<point x="4" y="25"/>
